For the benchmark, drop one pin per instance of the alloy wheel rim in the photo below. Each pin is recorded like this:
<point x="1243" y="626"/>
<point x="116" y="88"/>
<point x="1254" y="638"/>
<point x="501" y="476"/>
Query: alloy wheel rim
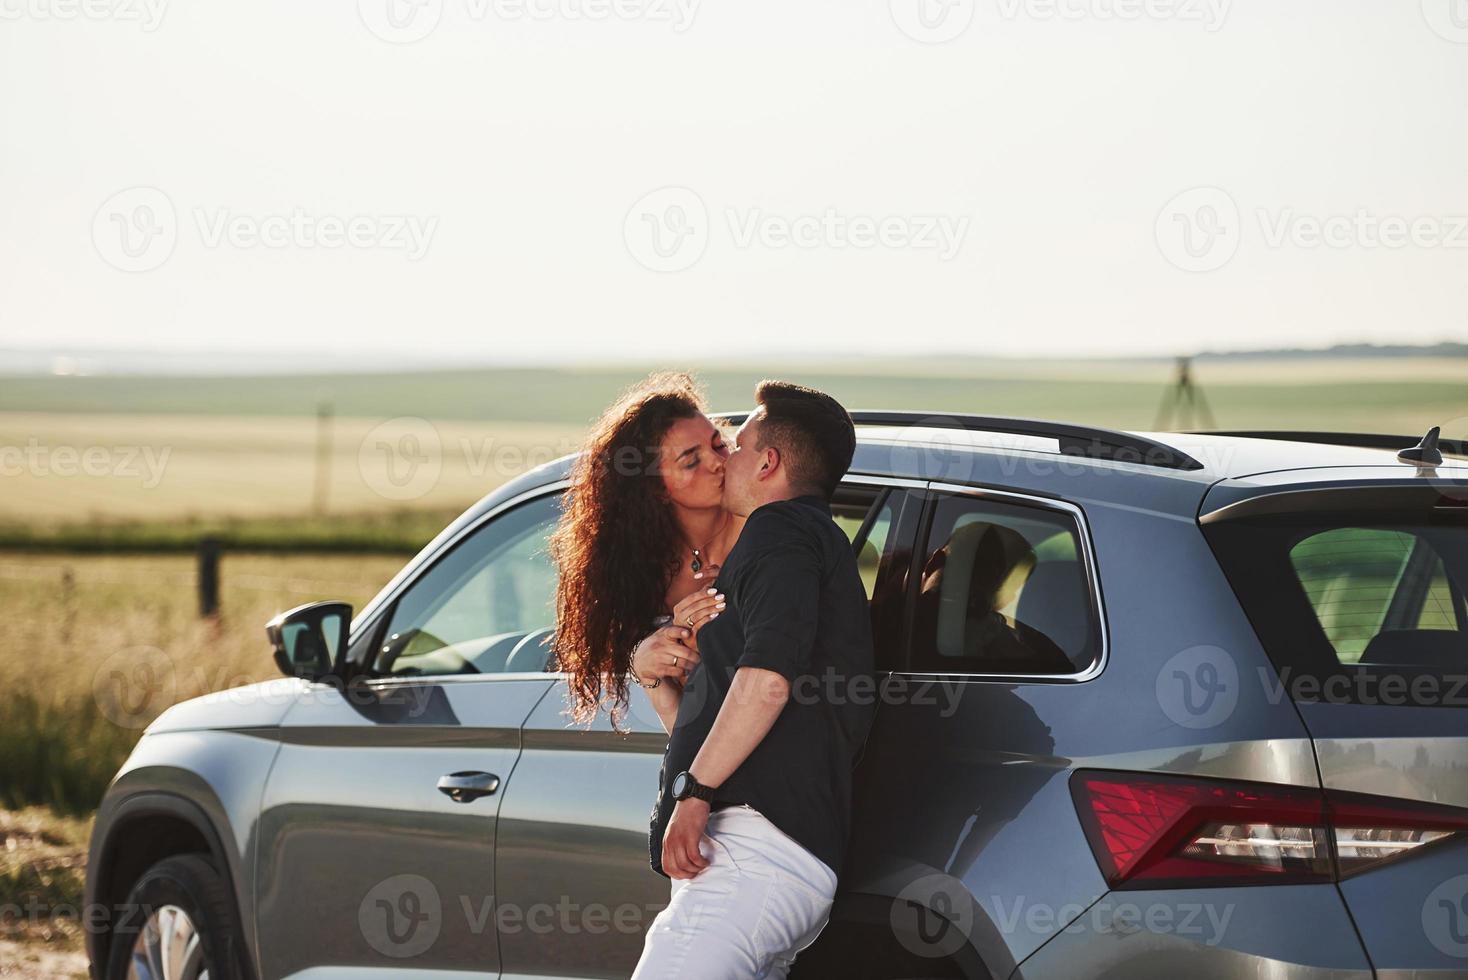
<point x="168" y="947"/>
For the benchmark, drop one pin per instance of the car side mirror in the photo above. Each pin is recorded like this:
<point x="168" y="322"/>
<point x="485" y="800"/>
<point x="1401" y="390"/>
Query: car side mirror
<point x="307" y="639"/>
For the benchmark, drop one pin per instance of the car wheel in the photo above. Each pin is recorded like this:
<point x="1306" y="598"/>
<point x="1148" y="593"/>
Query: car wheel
<point x="179" y="925"/>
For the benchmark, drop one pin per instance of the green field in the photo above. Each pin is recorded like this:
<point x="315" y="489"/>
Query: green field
<point x="190" y="449"/>
<point x="1122" y="393"/>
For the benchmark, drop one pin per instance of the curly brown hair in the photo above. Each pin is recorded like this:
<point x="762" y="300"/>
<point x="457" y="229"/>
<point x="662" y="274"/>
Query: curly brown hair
<point x="617" y="545"/>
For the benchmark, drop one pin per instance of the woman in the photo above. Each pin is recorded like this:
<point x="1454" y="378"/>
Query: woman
<point x="640" y="542"/>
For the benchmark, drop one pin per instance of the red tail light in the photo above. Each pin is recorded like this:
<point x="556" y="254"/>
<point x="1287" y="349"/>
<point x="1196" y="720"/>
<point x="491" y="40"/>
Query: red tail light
<point x="1151" y="831"/>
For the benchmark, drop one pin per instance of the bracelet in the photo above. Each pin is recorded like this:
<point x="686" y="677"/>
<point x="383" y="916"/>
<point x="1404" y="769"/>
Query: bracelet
<point x="649" y="687"/>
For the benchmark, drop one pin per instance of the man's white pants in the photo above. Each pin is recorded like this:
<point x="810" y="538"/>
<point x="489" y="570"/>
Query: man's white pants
<point x="761" y="900"/>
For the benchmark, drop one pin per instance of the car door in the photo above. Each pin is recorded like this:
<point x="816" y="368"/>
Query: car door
<point x="377" y="829"/>
<point x="572" y="861"/>
<point x="984" y="694"/>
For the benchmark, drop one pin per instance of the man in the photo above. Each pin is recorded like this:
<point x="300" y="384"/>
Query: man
<point x="754" y="803"/>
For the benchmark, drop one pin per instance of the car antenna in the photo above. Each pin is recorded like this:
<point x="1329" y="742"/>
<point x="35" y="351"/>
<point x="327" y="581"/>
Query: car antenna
<point x="1425" y="453"/>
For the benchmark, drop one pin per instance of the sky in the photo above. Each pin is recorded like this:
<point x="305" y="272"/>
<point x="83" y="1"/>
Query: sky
<point x="567" y="180"/>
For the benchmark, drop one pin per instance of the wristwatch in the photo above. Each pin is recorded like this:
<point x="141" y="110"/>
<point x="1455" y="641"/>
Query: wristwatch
<point x="684" y="786"/>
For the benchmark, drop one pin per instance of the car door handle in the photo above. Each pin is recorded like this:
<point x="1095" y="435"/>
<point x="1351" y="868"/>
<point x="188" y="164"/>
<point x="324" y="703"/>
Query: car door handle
<point x="466" y="787"/>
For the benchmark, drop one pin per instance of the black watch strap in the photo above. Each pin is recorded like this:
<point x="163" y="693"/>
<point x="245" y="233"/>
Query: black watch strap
<point x="692" y="787"/>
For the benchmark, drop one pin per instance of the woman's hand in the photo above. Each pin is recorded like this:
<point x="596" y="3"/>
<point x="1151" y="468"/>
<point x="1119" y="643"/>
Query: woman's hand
<point x="696" y="610"/>
<point x="662" y="654"/>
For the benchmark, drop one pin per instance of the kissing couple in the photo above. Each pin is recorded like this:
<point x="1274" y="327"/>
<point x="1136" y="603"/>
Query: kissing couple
<point x="705" y="567"/>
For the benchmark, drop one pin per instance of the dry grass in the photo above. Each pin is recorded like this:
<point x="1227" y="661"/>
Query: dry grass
<point x="84" y="633"/>
<point x="65" y="729"/>
<point x="78" y="467"/>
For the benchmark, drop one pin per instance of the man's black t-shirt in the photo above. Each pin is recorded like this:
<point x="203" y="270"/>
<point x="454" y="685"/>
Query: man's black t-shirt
<point x="795" y="605"/>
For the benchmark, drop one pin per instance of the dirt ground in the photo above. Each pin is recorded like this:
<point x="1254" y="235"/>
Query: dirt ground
<point x="38" y="961"/>
<point x="42" y="860"/>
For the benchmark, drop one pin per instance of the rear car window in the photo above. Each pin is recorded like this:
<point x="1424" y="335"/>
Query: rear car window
<point x="1366" y="582"/>
<point x="1343" y="601"/>
<point x="1004" y="589"/>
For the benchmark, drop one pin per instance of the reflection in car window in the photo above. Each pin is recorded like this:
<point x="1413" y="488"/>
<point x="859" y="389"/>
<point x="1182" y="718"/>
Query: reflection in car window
<point x="1365" y="581"/>
<point x="850" y="511"/>
<point x="469" y="613"/>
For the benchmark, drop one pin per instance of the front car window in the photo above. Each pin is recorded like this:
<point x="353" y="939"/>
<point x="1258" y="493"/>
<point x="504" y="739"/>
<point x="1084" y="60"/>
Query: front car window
<point x="489" y="604"/>
<point x="470" y="612"/>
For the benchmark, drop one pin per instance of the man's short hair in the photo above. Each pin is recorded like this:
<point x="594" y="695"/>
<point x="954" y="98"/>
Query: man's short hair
<point x="813" y="432"/>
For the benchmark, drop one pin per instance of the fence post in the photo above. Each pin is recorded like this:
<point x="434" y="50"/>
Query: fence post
<point x="208" y="576"/>
<point x="323" y="456"/>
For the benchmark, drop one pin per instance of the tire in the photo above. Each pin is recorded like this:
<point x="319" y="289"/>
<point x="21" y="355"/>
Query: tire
<point x="182" y="892"/>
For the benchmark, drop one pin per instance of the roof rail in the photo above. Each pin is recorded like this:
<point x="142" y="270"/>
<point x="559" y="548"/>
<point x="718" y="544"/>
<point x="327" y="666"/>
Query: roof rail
<point x="1074" y="440"/>
<point x="1365" y="440"/>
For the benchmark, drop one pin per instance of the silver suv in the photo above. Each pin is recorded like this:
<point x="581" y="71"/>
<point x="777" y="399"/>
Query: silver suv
<point x="1149" y="705"/>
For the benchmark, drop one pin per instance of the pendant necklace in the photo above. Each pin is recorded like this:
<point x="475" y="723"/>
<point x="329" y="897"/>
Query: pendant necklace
<point x="698" y="562"/>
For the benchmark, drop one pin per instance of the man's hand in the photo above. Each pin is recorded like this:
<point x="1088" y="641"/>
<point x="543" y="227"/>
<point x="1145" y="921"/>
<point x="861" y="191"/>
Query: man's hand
<point x="681" y="856"/>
